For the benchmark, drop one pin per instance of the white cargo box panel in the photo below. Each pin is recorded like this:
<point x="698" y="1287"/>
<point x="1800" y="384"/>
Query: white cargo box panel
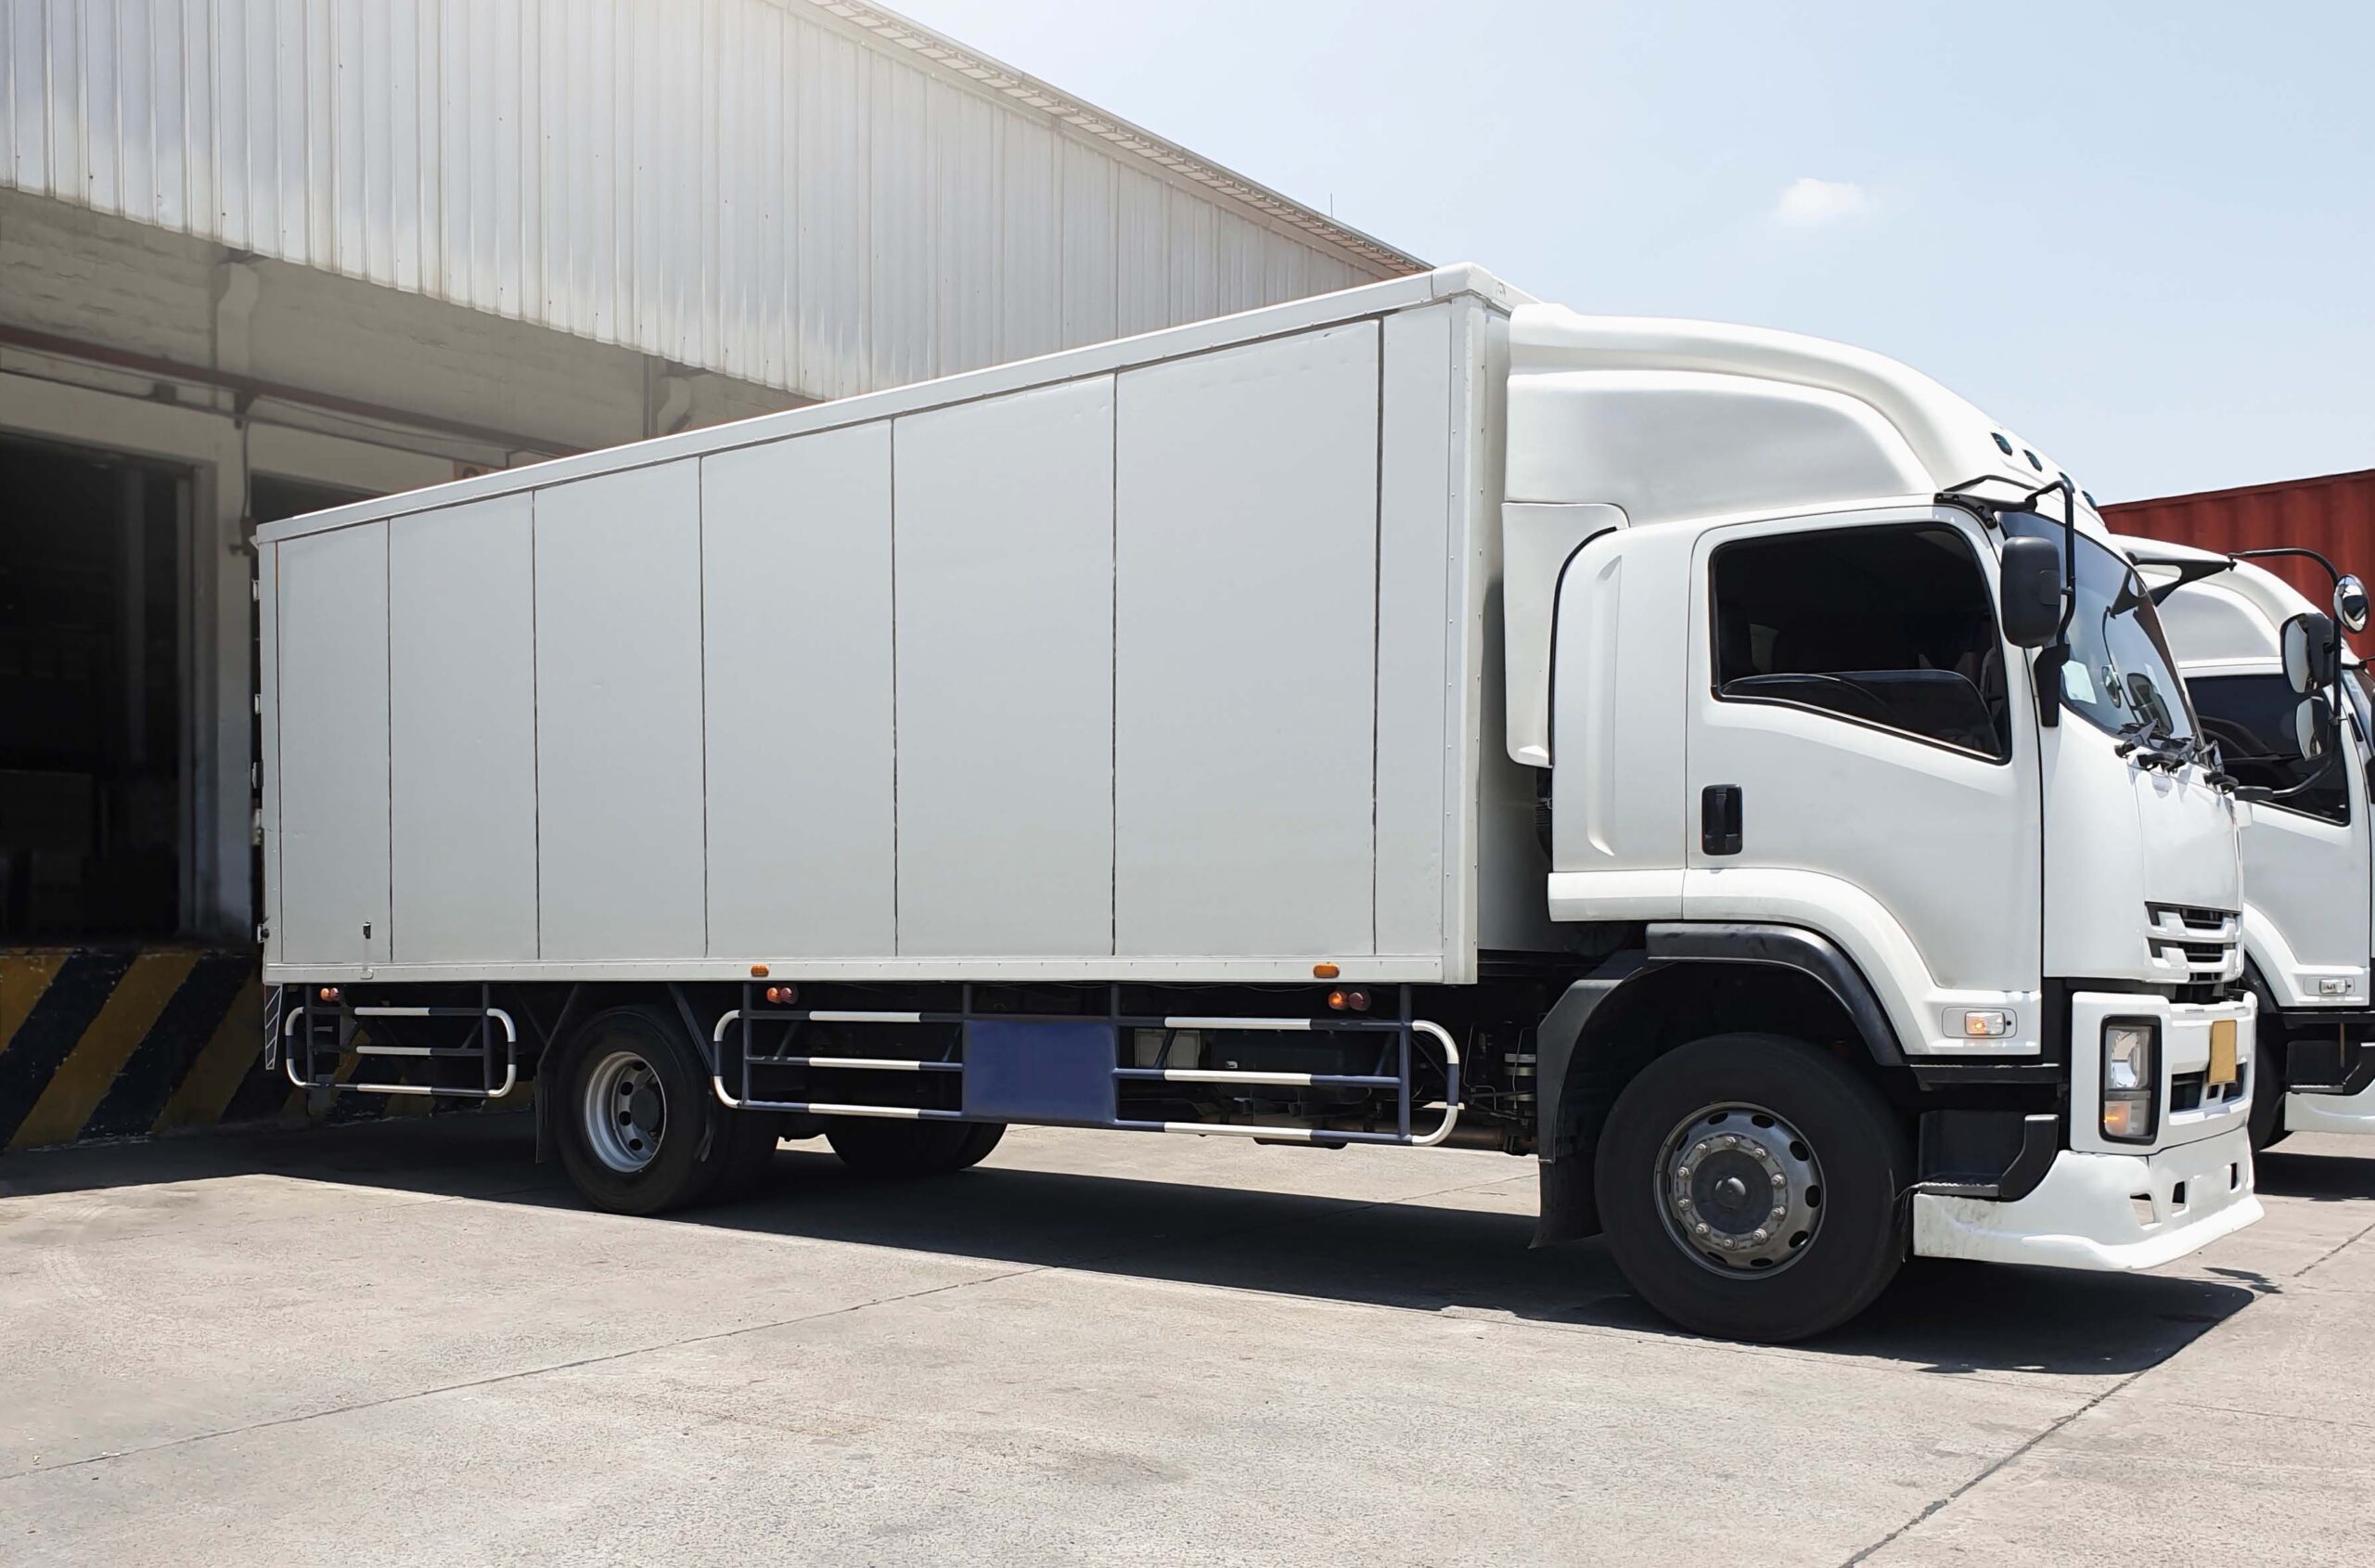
<point x="1162" y="659"/>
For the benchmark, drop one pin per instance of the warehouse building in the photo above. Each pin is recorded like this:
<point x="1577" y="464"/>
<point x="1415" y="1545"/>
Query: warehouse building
<point x="263" y="256"/>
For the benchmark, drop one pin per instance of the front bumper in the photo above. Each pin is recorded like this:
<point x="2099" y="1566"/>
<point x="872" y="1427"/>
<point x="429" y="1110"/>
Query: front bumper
<point x="2191" y="1109"/>
<point x="2091" y="1210"/>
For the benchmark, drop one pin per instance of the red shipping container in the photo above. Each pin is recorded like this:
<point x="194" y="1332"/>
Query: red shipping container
<point x="2333" y="515"/>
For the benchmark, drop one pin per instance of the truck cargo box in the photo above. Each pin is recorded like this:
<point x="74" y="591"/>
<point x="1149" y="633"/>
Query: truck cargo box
<point x="1171" y="658"/>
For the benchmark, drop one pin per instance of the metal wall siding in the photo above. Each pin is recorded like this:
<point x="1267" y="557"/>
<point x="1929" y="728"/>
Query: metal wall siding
<point x="2333" y="514"/>
<point x="751" y="186"/>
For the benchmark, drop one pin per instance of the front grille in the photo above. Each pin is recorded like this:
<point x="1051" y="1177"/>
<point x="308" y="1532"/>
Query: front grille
<point x="2194" y="945"/>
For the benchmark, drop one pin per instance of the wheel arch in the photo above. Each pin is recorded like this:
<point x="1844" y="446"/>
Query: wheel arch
<point x="1688" y="980"/>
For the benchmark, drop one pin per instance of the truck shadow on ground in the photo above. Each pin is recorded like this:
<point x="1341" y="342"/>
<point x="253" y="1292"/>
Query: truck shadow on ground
<point x="1464" y="1252"/>
<point x="2283" y="1172"/>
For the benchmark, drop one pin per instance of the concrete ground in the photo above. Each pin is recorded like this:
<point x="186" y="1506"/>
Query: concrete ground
<point x="405" y="1344"/>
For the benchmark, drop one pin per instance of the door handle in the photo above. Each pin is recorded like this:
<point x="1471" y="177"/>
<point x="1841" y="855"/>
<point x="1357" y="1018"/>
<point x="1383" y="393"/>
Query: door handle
<point x="1719" y="819"/>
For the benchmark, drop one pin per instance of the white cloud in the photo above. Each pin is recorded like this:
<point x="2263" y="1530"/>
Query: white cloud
<point x="1808" y="201"/>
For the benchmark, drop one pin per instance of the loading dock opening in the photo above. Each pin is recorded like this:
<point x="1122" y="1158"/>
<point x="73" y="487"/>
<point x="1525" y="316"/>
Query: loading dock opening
<point x="95" y="804"/>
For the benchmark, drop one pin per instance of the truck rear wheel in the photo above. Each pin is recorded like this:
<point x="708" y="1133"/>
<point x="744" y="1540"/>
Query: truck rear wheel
<point x="639" y="1130"/>
<point x="877" y="1147"/>
<point x="1749" y="1188"/>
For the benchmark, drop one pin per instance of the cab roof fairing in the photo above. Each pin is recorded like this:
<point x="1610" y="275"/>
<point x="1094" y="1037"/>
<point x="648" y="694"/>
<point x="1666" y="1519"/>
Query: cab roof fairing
<point x="1950" y="441"/>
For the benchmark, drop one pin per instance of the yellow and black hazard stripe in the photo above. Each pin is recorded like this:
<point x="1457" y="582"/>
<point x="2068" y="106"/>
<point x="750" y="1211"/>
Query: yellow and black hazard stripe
<point x="123" y="1042"/>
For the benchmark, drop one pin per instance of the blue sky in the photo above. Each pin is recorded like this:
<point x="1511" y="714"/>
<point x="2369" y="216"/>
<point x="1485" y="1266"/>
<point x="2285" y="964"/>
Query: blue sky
<point x="2142" y="235"/>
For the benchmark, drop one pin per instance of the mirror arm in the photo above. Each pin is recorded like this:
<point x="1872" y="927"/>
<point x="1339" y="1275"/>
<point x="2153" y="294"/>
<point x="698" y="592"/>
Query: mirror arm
<point x="2069" y="561"/>
<point x="2051" y="660"/>
<point x="2332" y="572"/>
<point x="2048" y="671"/>
<point x="2264" y="793"/>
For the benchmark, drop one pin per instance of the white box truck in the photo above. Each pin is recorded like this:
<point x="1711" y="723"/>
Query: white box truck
<point x="2297" y="740"/>
<point x="1417" y="715"/>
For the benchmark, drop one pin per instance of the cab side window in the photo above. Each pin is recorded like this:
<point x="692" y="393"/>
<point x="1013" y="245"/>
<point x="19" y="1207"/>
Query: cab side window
<point x="2251" y="718"/>
<point x="1892" y="627"/>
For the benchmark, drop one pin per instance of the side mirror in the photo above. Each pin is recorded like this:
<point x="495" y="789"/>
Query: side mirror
<point x="2029" y="598"/>
<point x="2311" y="719"/>
<point x="2312" y="655"/>
<point x="2350" y="604"/>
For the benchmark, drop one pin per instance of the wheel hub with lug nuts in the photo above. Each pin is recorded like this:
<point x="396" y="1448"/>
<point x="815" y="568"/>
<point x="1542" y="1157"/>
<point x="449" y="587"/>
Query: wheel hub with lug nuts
<point x="625" y="1111"/>
<point x="1739" y="1189"/>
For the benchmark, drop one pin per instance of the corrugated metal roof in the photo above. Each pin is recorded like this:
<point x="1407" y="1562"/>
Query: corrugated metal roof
<point x="2333" y="514"/>
<point x="811" y="194"/>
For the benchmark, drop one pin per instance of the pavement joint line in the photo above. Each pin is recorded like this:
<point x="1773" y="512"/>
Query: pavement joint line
<point x="2303" y="1272"/>
<point x="497" y="1378"/>
<point x="2273" y="1415"/>
<point x="1939" y="1504"/>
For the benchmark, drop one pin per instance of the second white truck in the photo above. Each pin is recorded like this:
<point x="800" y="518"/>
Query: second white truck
<point x="1723" y="765"/>
<point x="2308" y="855"/>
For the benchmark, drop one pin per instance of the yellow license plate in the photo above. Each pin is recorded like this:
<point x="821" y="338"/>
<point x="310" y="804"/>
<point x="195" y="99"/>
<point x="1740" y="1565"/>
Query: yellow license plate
<point x="2221" y="1052"/>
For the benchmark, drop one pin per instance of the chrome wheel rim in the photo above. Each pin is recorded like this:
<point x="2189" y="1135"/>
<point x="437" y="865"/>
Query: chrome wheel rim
<point x="625" y="1111"/>
<point x="1740" y="1189"/>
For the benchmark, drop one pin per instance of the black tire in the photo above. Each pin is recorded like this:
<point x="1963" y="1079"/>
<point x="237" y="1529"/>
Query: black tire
<point x="1860" y="1233"/>
<point x="2266" y="1117"/>
<point x="979" y="1138"/>
<point x="874" y="1146"/>
<point x="695" y="1137"/>
<point x="750" y="1137"/>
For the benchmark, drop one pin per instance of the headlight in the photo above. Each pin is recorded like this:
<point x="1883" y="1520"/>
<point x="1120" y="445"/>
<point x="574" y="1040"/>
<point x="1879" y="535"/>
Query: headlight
<point x="2131" y="1082"/>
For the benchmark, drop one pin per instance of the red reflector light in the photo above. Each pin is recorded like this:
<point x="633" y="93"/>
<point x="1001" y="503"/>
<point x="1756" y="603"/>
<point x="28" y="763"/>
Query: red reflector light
<point x="783" y="995"/>
<point x="328" y="994"/>
<point x="1358" y="1000"/>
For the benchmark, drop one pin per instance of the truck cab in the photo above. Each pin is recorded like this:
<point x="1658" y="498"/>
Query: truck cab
<point x="2309" y="899"/>
<point x="1775" y="640"/>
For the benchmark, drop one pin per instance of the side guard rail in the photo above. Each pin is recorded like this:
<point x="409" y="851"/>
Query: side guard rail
<point x="742" y="1019"/>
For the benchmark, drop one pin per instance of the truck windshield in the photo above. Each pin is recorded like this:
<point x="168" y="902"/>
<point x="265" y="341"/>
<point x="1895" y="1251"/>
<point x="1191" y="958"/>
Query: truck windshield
<point x="2120" y="675"/>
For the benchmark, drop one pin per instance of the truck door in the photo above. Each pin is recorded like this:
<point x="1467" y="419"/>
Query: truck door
<point x="330" y="906"/>
<point x="1858" y="764"/>
<point x="2297" y="846"/>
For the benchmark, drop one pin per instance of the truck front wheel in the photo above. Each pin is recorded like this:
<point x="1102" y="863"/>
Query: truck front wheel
<point x="1749" y="1188"/>
<point x="881" y="1147"/>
